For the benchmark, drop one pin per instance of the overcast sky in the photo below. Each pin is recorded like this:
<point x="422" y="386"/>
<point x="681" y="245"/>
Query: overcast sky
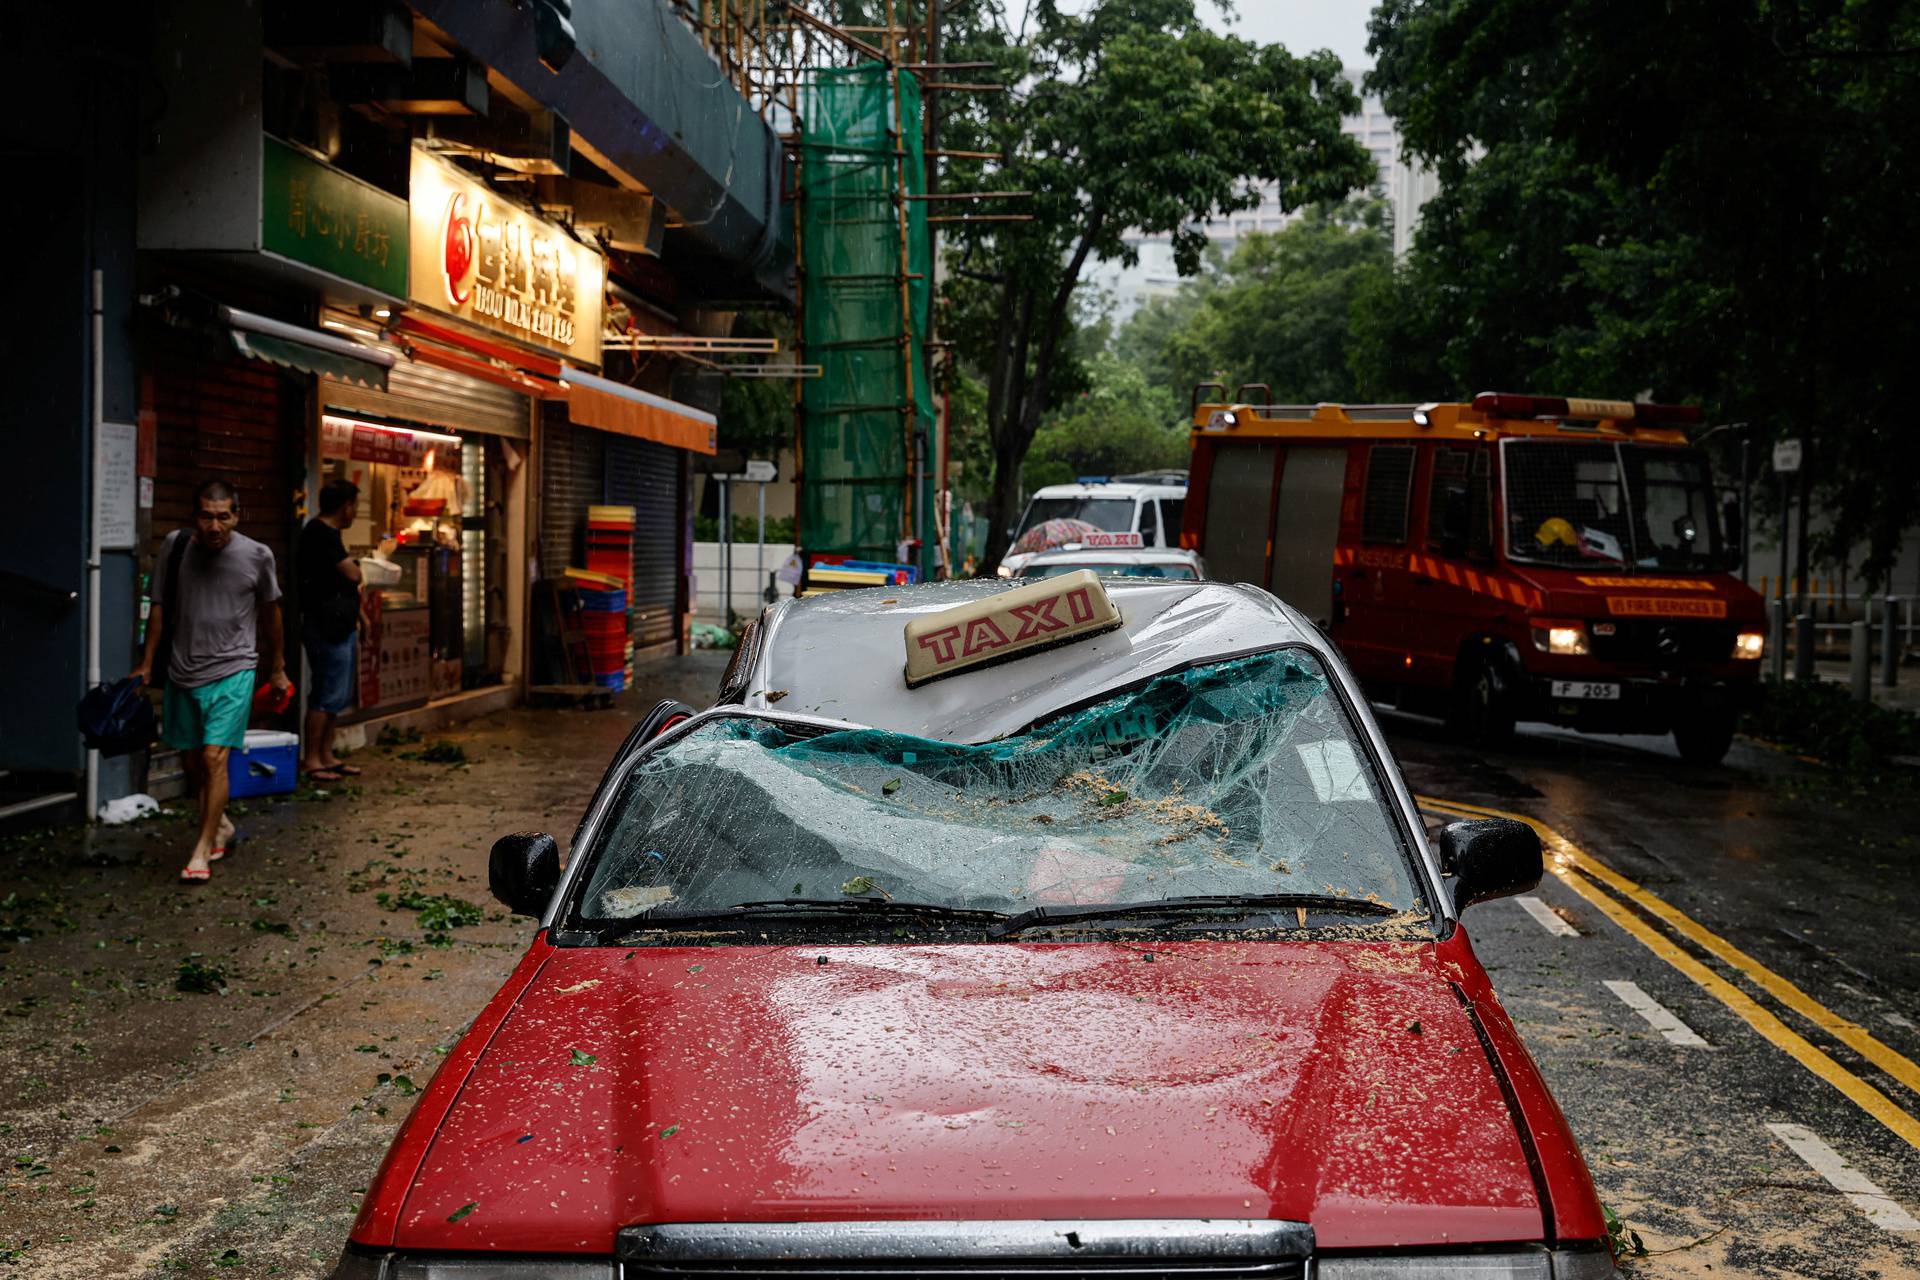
<point x="1303" y="25"/>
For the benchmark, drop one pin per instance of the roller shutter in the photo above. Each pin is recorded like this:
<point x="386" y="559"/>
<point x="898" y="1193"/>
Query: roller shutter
<point x="435" y="397"/>
<point x="571" y="471"/>
<point x="646" y="477"/>
<point x="238" y="421"/>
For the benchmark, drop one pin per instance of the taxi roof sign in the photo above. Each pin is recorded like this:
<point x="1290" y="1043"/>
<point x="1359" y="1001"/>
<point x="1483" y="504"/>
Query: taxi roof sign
<point x="1104" y="539"/>
<point x="1008" y="624"/>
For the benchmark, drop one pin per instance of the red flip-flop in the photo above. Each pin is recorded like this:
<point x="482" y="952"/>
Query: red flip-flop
<point x="219" y="851"/>
<point x="189" y="875"/>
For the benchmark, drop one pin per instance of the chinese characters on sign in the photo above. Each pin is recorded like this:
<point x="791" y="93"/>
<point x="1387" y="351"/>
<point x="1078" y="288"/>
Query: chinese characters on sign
<point x="319" y="216"/>
<point x="490" y="262"/>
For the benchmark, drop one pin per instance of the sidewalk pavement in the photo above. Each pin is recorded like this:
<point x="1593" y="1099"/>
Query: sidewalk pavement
<point x="202" y="1080"/>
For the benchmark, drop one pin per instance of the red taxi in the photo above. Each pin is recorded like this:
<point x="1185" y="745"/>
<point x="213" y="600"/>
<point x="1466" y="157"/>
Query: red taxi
<point x="1076" y="928"/>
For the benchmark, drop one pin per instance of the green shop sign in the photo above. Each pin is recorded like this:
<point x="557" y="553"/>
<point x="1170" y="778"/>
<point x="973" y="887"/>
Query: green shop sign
<point x="319" y="216"/>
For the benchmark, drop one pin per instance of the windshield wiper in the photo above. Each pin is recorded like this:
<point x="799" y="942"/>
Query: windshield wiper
<point x="801" y="906"/>
<point x="1242" y="902"/>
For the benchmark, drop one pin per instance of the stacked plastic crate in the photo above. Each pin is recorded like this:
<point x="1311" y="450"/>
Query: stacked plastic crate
<point x="603" y="594"/>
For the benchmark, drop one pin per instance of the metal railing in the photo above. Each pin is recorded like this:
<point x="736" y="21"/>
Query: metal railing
<point x="1886" y="623"/>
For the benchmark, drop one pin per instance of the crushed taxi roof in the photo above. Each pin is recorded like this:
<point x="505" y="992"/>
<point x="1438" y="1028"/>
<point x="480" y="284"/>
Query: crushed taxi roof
<point x="841" y="655"/>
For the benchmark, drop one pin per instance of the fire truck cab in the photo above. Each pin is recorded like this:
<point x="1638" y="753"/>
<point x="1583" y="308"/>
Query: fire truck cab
<point x="1514" y="558"/>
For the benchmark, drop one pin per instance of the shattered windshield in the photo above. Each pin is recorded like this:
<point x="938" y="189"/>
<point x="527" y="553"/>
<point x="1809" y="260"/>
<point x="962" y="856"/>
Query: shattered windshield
<point x="1610" y="505"/>
<point x="1239" y="777"/>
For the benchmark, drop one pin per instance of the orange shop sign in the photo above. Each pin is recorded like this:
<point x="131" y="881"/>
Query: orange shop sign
<point x="477" y="256"/>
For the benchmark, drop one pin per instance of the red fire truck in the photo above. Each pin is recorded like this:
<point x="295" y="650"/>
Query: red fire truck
<point x="1516" y="558"/>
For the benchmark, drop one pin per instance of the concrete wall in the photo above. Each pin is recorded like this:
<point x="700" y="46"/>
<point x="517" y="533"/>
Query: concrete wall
<point x="710" y="583"/>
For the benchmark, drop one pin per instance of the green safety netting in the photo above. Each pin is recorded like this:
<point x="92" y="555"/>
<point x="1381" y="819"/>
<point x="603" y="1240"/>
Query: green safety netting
<point x="858" y="417"/>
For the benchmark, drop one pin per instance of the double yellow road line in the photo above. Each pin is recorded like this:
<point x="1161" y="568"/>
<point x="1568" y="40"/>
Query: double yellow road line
<point x="1585" y="874"/>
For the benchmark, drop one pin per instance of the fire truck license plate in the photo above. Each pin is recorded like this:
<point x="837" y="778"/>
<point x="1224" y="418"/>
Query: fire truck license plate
<point x="1585" y="689"/>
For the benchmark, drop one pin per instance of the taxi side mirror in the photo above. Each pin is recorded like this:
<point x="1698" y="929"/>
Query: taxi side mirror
<point x="1489" y="858"/>
<point x="523" y="870"/>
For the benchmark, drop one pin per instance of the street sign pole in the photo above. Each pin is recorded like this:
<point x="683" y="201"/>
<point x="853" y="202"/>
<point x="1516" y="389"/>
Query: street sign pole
<point x="754" y="471"/>
<point x="726" y="553"/>
<point x="1746" y="512"/>
<point x="1786" y="461"/>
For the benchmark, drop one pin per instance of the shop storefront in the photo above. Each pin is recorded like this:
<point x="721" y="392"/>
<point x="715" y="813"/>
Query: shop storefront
<point x="441" y="462"/>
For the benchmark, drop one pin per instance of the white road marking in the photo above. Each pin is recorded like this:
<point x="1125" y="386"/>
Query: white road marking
<point x="1880" y="1208"/>
<point x="1853" y="990"/>
<point x="1899" y="1020"/>
<point x="1658" y="1016"/>
<point x="1548" y="918"/>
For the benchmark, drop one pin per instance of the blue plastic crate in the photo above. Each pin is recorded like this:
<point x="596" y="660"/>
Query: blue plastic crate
<point x="269" y="765"/>
<point x="604" y="601"/>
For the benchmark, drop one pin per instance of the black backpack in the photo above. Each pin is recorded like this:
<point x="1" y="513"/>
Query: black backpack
<point x="116" y="718"/>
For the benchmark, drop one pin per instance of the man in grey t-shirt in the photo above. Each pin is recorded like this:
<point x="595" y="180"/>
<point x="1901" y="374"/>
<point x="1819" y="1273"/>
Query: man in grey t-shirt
<point x="224" y="611"/>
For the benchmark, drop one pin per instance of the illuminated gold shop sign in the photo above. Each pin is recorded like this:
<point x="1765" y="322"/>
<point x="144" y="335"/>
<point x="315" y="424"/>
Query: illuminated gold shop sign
<point x="478" y="257"/>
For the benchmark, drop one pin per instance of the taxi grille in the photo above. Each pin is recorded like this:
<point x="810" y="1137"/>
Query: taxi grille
<point x="1664" y="642"/>
<point x="1140" y="1249"/>
<point x="1290" y="1269"/>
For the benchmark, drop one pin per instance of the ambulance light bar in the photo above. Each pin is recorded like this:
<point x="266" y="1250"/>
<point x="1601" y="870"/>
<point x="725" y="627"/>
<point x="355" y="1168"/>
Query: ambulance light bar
<point x="1502" y="404"/>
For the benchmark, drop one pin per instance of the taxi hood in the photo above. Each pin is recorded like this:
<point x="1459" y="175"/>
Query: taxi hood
<point x="1337" y="1083"/>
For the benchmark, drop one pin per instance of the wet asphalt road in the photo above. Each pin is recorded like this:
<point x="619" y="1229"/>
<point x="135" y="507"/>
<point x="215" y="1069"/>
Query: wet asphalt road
<point x="151" y="1133"/>
<point x="1800" y="873"/>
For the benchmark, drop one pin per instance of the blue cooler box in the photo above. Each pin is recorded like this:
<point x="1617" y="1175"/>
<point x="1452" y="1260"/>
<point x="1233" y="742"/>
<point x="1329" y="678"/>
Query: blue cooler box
<point x="269" y="765"/>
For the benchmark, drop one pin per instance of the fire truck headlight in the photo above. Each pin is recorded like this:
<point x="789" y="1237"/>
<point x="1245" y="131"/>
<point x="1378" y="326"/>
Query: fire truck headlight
<point x="1560" y="637"/>
<point x="1749" y="644"/>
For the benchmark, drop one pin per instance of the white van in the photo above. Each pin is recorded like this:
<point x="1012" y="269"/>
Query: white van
<point x="1151" y="504"/>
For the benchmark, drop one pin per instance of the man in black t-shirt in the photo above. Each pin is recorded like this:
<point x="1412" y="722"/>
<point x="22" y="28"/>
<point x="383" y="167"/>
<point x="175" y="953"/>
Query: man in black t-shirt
<point x="331" y="619"/>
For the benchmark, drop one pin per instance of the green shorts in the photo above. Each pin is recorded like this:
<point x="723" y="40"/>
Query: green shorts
<point x="212" y="715"/>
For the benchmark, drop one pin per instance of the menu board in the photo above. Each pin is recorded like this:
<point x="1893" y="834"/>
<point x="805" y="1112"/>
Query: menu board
<point x="116" y="484"/>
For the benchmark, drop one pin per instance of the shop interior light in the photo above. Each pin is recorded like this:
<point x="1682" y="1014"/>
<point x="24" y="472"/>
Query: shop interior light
<point x="433" y="438"/>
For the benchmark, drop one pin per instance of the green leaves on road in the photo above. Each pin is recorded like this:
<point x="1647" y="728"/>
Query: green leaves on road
<point x="197" y="975"/>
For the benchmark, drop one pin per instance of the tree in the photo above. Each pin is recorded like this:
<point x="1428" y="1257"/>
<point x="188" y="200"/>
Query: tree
<point x="1124" y="422"/>
<point x="1129" y="116"/>
<point x="1277" y="312"/>
<point x="1712" y="200"/>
